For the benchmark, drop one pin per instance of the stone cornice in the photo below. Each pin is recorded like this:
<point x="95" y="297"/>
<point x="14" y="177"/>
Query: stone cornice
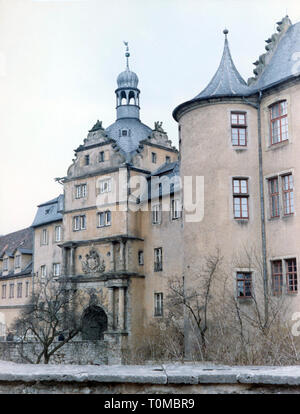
<point x="101" y="240"/>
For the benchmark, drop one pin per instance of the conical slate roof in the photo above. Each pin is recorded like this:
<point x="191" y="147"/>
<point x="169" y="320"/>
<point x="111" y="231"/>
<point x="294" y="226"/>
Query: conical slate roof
<point x="227" y="81"/>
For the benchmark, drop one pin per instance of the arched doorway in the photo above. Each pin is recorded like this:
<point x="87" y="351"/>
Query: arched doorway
<point x="94" y="323"/>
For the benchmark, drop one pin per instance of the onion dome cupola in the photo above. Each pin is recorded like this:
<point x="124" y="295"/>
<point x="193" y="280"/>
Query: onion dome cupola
<point x="127" y="94"/>
<point x="227" y="82"/>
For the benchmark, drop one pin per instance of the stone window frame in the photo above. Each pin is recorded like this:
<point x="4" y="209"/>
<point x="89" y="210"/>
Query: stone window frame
<point x="156" y="213"/>
<point x="43" y="271"/>
<point x="79" y="219"/>
<point x="44" y="237"/>
<point x="280" y="176"/>
<point x="101" y="156"/>
<point x="244" y="272"/>
<point x="266" y="121"/>
<point x="238" y="126"/>
<point x="141" y="257"/>
<point x="158" y="304"/>
<point x="19" y="289"/>
<point x="280" y="118"/>
<point x="154" y="157"/>
<point x="104" y="214"/>
<point x="56" y="269"/>
<point x="80" y="191"/>
<point x="247" y="112"/>
<point x="11" y="291"/>
<point x="240" y="195"/>
<point x="56" y="239"/>
<point x="176" y="208"/>
<point x="3" y="291"/>
<point x="17" y="261"/>
<point x="158" y="259"/>
<point x="27" y="289"/>
<point x="283" y="260"/>
<point x="102" y="183"/>
<point x="5" y="264"/>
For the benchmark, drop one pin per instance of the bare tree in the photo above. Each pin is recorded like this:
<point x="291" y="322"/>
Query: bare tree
<point x="195" y="301"/>
<point x="50" y="313"/>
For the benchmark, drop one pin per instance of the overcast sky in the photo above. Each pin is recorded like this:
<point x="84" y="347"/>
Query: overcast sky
<point x="59" y="60"/>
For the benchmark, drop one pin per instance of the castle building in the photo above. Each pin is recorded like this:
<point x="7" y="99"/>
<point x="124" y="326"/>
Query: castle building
<point x="243" y="138"/>
<point x="119" y="233"/>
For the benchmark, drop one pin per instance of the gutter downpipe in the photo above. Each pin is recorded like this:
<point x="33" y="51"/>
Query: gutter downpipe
<point x="262" y="213"/>
<point x="262" y="210"/>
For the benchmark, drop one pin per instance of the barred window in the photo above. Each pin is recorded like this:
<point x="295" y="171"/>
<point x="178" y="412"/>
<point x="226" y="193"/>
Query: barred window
<point x="278" y="122"/>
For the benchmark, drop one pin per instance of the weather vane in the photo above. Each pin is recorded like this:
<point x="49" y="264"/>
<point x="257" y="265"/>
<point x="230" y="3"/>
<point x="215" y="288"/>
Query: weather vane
<point x="127" y="54"/>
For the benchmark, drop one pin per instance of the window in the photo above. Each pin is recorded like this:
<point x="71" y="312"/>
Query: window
<point x="101" y="156"/>
<point x="158" y="259"/>
<point x="11" y="291"/>
<point x="277" y="278"/>
<point x="18" y="261"/>
<point x="44" y="236"/>
<point x="238" y="129"/>
<point x="141" y="257"/>
<point x="43" y="271"/>
<point x="19" y="290"/>
<point x="79" y="223"/>
<point x="104" y="218"/>
<point x="80" y="190"/>
<point x="3" y="291"/>
<point x="27" y="290"/>
<point x="5" y="264"/>
<point x="291" y="275"/>
<point x="175" y="209"/>
<point x="158" y="304"/>
<point x="278" y="122"/>
<point x="154" y="157"/>
<point x="57" y="233"/>
<point x="288" y="194"/>
<point x="105" y="186"/>
<point x="124" y="133"/>
<point x="168" y="159"/>
<point x="240" y="198"/>
<point x="86" y="159"/>
<point x="156" y="214"/>
<point x="274" y="197"/>
<point x="244" y="284"/>
<point x="56" y="269"/>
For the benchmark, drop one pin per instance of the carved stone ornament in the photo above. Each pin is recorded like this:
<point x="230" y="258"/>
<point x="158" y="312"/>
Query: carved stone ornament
<point x="92" y="263"/>
<point x="158" y="127"/>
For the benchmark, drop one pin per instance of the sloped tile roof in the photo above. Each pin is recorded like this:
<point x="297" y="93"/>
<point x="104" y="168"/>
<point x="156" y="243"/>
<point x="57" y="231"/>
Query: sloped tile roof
<point x="22" y="238"/>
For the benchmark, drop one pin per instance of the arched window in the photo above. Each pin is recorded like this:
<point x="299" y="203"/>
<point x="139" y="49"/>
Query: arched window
<point x="123" y="98"/>
<point x="131" y="98"/>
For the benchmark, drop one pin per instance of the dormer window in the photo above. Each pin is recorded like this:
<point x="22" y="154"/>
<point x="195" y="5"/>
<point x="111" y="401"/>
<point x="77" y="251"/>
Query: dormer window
<point x="124" y="132"/>
<point x="18" y="261"/>
<point x="5" y="265"/>
<point x="278" y="122"/>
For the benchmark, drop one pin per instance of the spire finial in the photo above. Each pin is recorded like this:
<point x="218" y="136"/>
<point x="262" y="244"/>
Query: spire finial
<point x="225" y="31"/>
<point x="127" y="54"/>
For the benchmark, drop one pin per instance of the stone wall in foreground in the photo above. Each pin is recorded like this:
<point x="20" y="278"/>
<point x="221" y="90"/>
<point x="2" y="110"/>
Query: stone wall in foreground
<point x="150" y="379"/>
<point x="76" y="352"/>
